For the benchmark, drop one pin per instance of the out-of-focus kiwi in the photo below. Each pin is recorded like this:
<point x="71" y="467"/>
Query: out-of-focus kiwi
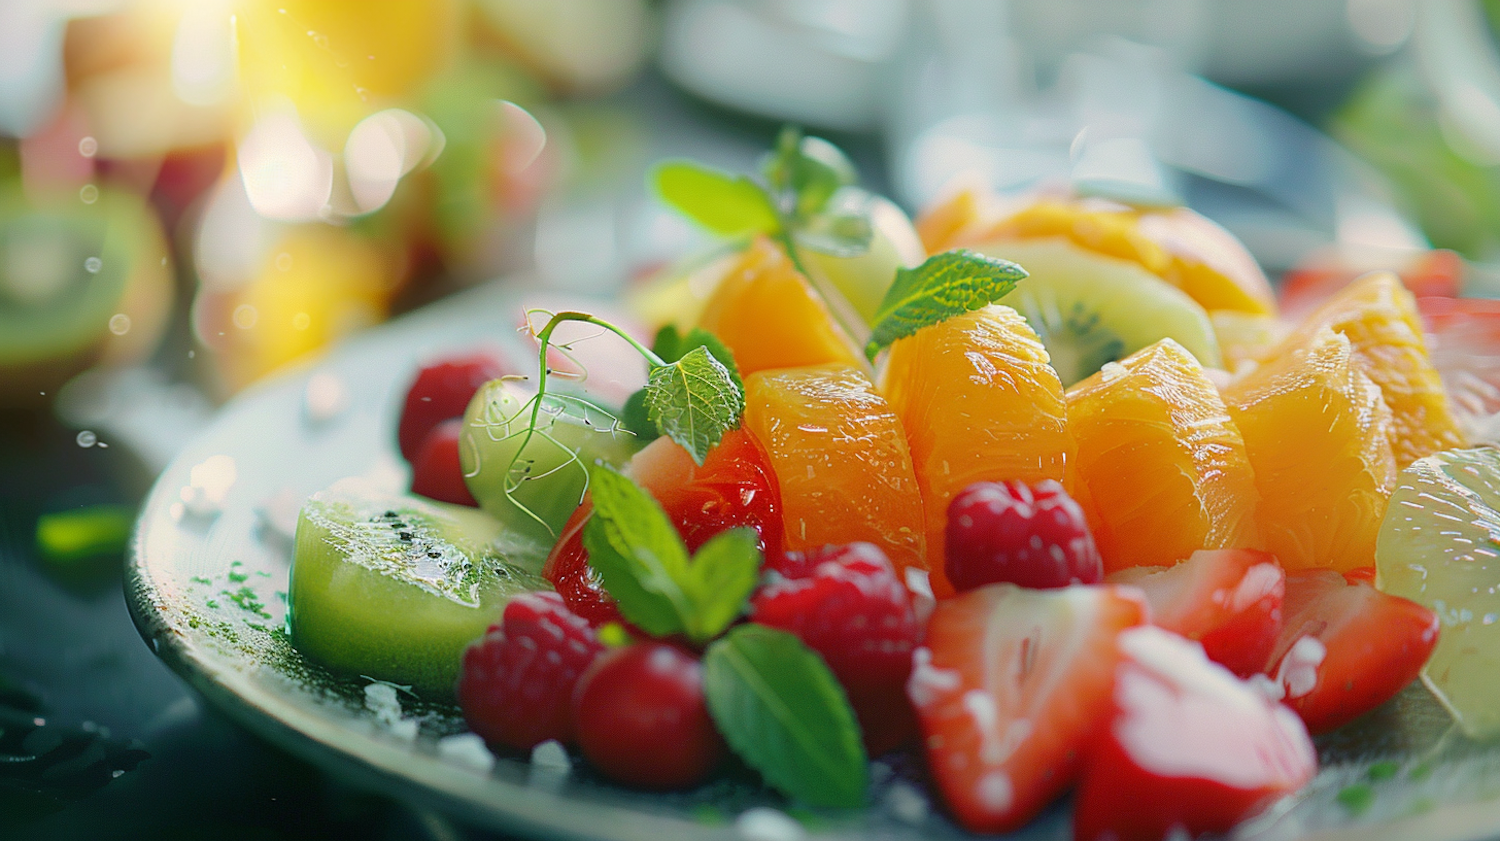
<point x="80" y="285"/>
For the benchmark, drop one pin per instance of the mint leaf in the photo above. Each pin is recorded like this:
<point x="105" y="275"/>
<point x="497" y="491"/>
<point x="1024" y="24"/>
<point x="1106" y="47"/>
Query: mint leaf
<point x="636" y="551"/>
<point x="698" y="337"/>
<point x="694" y="401"/>
<point x="945" y="285"/>
<point x="671" y="345"/>
<point x="637" y="419"/>
<point x="724" y="572"/>
<point x="728" y="205"/>
<point x="667" y="343"/>
<point x="810" y="168"/>
<point x="844" y="228"/>
<point x="785" y="715"/>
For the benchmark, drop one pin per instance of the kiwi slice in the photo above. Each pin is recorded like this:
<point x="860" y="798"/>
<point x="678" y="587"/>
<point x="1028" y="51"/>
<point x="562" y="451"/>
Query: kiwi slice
<point x="1089" y="309"/>
<point x="392" y="586"/>
<point x="546" y="475"/>
<point x="79" y="283"/>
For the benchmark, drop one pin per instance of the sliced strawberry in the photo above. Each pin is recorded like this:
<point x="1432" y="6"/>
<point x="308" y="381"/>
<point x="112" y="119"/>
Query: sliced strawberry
<point x="1010" y="689"/>
<point x="1436" y="273"/>
<point x="1227" y="599"/>
<point x="733" y="487"/>
<point x="1189" y="745"/>
<point x="1345" y="648"/>
<point x="1360" y="575"/>
<point x="1463" y="339"/>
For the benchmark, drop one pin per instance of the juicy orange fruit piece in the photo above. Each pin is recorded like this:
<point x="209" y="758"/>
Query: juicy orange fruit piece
<point x="1317" y="432"/>
<point x="768" y="315"/>
<point x="1247" y="337"/>
<point x="1163" y="468"/>
<point x="1179" y="245"/>
<point x="979" y="402"/>
<point x="1380" y="318"/>
<point x="841" y="459"/>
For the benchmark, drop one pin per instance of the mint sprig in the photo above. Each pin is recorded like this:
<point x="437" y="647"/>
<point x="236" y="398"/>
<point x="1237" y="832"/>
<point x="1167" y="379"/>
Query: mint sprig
<point x="783" y="712"/>
<point x="694" y="401"/>
<point x="729" y="205"/>
<point x="945" y="285"/>
<point x="646" y="568"/>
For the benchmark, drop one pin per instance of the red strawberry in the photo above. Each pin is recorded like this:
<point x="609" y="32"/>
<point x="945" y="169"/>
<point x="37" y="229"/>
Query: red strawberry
<point x="441" y="391"/>
<point x="1031" y="535"/>
<point x="1011" y="688"/>
<point x="1227" y="599"/>
<point x="1463" y="339"/>
<point x="1188" y="745"/>
<point x="733" y="487"/>
<point x="517" y="683"/>
<point x="1345" y="647"/>
<point x="847" y="604"/>
<point x="435" y="472"/>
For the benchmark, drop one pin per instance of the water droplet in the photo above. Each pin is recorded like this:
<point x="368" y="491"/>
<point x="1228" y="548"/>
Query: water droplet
<point x="88" y="194"/>
<point x="87" y="439"/>
<point x="284" y="262"/>
<point x="93" y="265"/>
<point x="88" y="147"/>
<point x="245" y="316"/>
<point x="119" y="324"/>
<point x="301" y="320"/>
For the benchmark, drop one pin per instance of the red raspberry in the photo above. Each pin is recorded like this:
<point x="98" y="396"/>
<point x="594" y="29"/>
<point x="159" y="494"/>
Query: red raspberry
<point x="849" y="607"/>
<point x="435" y="472"/>
<point x="642" y="719"/>
<point x="517" y="683"/>
<point x="441" y="391"/>
<point x="1031" y="535"/>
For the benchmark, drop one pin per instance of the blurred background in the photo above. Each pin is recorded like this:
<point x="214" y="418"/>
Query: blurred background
<point x="195" y="194"/>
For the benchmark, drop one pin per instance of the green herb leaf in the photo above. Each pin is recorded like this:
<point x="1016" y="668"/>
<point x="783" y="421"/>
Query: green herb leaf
<point x="724" y="572"/>
<point x="668" y="343"/>
<point x="945" y="285"/>
<point x="636" y="551"/>
<point x="637" y="419"/>
<point x="810" y="168"/>
<point x="728" y="205"/>
<point x="645" y="566"/>
<point x="783" y="712"/>
<point x="844" y="229"/>
<point x="694" y="401"/>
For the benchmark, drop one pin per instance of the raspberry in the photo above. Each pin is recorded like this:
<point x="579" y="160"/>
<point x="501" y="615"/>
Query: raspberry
<point x="1031" y="535"/>
<point x="435" y="472"/>
<point x="517" y="683"/>
<point x="441" y="391"/>
<point x="849" y="607"/>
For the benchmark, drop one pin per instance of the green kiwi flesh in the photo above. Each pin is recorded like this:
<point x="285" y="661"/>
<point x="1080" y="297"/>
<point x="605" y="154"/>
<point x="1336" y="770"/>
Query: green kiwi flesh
<point x="1089" y="309"/>
<point x="393" y="587"/>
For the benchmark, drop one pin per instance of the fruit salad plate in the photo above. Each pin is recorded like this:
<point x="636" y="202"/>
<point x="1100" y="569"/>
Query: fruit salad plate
<point x="207" y="581"/>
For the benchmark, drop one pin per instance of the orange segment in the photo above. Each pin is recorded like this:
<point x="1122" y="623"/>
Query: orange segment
<point x="978" y="402"/>
<point x="1247" y="337"/>
<point x="1163" y="469"/>
<point x="1316" y="430"/>
<point x="769" y="316"/>
<point x="841" y="459"/>
<point x="1379" y="316"/>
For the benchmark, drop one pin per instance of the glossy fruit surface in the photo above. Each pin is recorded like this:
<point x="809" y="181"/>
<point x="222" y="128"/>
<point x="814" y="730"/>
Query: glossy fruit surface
<point x="1227" y="600"/>
<point x="436" y="472"/>
<point x="1089" y="309"/>
<point x="1157" y="419"/>
<point x="841" y="461"/>
<point x="1010" y="689"/>
<point x="1463" y="340"/>
<point x="516" y="686"/>
<point x="1438" y="547"/>
<point x="1317" y="433"/>
<point x="1189" y="748"/>
<point x="442" y="390"/>
<point x="768" y="315"/>
<point x="640" y="717"/>
<point x="1346" y="648"/>
<point x="1030" y="535"/>
<point x="394" y="586"/>
<point x="1379" y="316"/>
<point x="734" y="486"/>
<point x="979" y="403"/>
